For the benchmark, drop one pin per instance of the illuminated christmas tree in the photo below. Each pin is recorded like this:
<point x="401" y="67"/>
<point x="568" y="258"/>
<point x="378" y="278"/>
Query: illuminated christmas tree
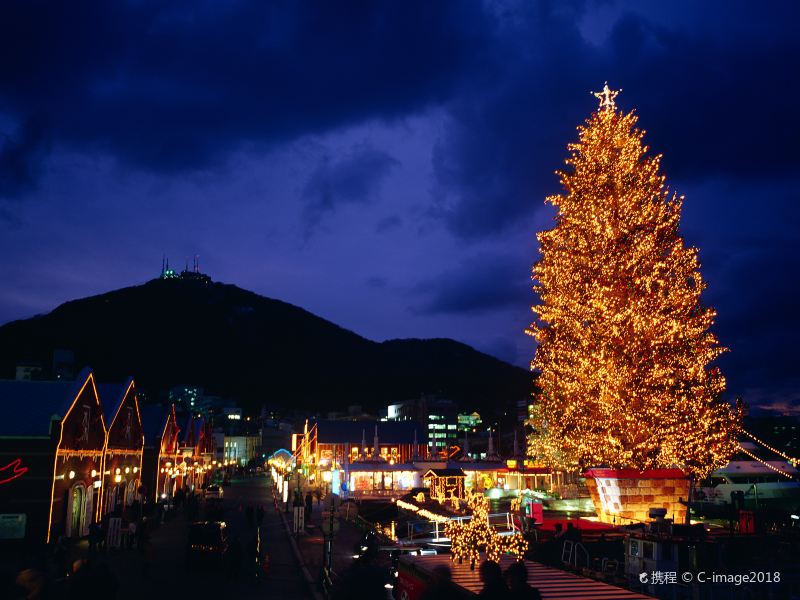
<point x="624" y="344"/>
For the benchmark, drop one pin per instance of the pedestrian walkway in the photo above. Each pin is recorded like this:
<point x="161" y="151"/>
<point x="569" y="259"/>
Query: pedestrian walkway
<point x="311" y="542"/>
<point x="170" y="575"/>
<point x="285" y="578"/>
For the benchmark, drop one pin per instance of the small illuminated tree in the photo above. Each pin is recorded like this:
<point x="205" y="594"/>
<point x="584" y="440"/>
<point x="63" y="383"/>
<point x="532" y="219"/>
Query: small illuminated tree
<point x="624" y="344"/>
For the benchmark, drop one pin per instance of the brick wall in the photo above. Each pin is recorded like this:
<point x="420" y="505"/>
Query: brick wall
<point x="624" y="499"/>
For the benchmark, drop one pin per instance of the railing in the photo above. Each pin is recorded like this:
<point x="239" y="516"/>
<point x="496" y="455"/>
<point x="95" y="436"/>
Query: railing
<point x="377" y="493"/>
<point x="435" y="530"/>
<point x="570" y="551"/>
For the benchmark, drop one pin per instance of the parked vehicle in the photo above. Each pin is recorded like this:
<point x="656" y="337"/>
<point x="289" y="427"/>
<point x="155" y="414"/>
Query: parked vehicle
<point x="208" y="540"/>
<point x="213" y="492"/>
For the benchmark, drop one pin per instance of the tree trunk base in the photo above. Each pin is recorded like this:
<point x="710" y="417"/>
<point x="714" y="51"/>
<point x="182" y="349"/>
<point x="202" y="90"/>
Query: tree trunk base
<point x="623" y="496"/>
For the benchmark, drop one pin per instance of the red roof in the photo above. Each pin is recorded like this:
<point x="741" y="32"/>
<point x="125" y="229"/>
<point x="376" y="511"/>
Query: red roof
<point x="634" y="473"/>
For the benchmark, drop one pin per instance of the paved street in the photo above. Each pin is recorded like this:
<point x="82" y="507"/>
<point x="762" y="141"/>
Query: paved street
<point x="169" y="573"/>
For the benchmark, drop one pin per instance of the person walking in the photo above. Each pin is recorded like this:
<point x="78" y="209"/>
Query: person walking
<point x="95" y="534"/>
<point x="248" y="513"/>
<point x="494" y="587"/>
<point x="517" y="579"/>
<point x="260" y="515"/>
<point x="131" y="535"/>
<point x="309" y="506"/>
<point x="441" y="586"/>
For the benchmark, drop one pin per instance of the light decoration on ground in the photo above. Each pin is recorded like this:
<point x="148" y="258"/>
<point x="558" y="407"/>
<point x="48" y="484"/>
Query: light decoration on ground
<point x="422" y="512"/>
<point x="468" y="538"/>
<point x="624" y="344"/>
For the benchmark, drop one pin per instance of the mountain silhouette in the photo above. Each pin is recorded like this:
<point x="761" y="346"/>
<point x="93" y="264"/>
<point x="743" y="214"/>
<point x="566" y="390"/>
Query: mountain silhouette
<point x="257" y="350"/>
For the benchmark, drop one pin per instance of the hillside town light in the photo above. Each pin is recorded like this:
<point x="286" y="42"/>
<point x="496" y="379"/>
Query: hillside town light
<point x="72" y="474"/>
<point x="94" y="473"/>
<point x="127" y="470"/>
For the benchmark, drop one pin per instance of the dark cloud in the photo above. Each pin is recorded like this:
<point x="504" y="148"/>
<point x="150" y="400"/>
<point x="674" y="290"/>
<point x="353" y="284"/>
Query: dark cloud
<point x="757" y="315"/>
<point x="20" y="158"/>
<point x="714" y="104"/>
<point x="179" y="85"/>
<point x="352" y="179"/>
<point x="481" y="284"/>
<point x="172" y="87"/>
<point x="494" y="162"/>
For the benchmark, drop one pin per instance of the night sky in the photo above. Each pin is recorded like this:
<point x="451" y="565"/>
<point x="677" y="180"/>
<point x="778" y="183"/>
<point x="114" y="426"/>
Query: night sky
<point x="384" y="164"/>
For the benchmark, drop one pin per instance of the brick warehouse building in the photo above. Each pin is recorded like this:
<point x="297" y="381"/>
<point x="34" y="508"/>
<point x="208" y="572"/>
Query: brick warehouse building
<point x="161" y="477"/>
<point x="122" y="463"/>
<point x="51" y="459"/>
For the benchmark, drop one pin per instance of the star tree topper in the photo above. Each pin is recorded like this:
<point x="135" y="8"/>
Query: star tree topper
<point x="606" y="97"/>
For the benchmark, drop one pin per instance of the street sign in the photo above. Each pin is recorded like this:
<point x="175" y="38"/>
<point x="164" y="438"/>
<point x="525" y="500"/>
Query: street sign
<point x="329" y="526"/>
<point x="12" y="526"/>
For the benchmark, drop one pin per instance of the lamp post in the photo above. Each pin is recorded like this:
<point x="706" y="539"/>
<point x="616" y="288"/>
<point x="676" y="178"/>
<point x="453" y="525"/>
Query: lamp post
<point x="327" y="546"/>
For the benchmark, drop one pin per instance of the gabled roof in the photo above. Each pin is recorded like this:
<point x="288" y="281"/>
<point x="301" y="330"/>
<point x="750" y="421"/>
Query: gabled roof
<point x="154" y="419"/>
<point x="111" y="397"/>
<point x="189" y="438"/>
<point x="193" y="431"/>
<point x="444" y="473"/>
<point x="389" y="432"/>
<point x="283" y="454"/>
<point x="33" y="405"/>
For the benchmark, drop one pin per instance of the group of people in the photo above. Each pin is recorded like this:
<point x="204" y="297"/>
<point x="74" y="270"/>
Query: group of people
<point x="248" y="555"/>
<point x="254" y="515"/>
<point x="307" y="506"/>
<point x="511" y="585"/>
<point x="88" y="579"/>
<point x="244" y="549"/>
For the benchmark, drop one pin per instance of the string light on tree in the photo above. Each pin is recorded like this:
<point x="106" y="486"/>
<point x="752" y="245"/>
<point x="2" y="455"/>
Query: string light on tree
<point x="624" y="344"/>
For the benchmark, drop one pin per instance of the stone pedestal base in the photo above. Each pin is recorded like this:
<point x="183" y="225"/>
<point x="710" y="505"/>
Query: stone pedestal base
<point x="625" y="496"/>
